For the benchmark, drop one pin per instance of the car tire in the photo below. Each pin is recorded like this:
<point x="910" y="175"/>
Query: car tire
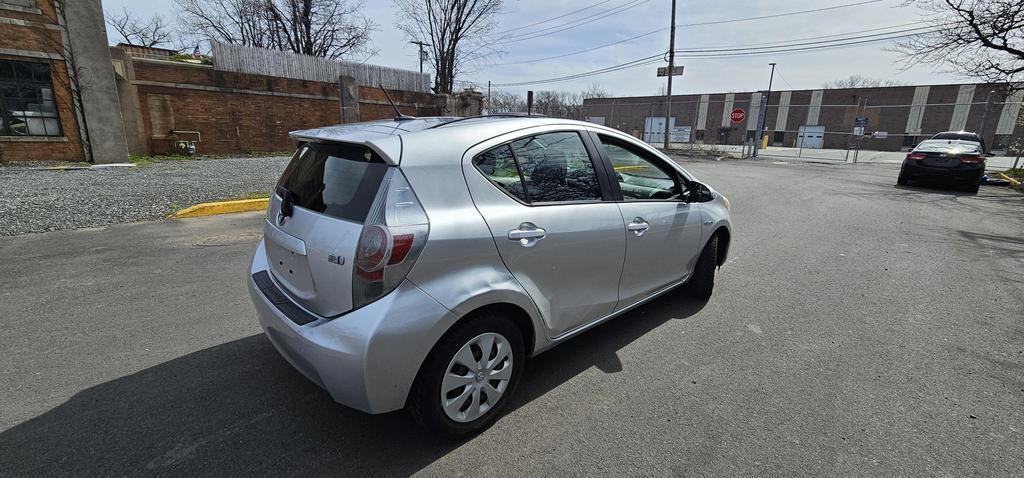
<point x="973" y="188"/>
<point x="427" y="401"/>
<point x="902" y="179"/>
<point x="702" y="283"/>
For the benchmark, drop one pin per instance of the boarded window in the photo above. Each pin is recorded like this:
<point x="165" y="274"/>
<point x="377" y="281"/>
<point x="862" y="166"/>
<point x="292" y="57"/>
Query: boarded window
<point x="161" y="115"/>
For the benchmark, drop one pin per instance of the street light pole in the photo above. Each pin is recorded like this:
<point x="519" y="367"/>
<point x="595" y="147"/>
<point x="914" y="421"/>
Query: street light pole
<point x="671" y="70"/>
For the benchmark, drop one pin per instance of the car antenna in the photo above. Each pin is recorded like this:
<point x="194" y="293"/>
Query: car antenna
<point x="398" y="113"/>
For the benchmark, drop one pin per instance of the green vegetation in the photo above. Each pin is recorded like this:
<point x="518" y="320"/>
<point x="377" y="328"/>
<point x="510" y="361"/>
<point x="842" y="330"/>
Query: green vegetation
<point x="1017" y="174"/>
<point x="250" y="195"/>
<point x="143" y="159"/>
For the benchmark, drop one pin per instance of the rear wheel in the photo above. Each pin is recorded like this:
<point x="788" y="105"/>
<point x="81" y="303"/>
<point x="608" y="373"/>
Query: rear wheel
<point x="703" y="281"/>
<point x="902" y="179"/>
<point x="464" y="385"/>
<point x="973" y="188"/>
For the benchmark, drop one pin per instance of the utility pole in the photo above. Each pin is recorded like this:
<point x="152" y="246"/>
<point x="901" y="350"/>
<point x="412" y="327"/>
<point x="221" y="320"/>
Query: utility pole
<point x="763" y="113"/>
<point x="984" y="117"/>
<point x="423" y="55"/>
<point x="671" y="71"/>
<point x="488" y="96"/>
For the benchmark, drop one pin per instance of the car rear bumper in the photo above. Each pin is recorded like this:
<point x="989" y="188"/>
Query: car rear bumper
<point x="965" y="172"/>
<point x="366" y="359"/>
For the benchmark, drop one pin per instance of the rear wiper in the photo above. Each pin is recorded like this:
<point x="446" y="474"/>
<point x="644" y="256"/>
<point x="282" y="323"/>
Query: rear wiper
<point x="287" y="200"/>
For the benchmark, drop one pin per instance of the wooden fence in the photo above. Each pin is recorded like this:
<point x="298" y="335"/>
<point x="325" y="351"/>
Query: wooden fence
<point x="259" y="61"/>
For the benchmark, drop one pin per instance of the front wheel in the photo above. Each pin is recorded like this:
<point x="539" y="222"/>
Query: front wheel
<point x="464" y="384"/>
<point x="702" y="283"/>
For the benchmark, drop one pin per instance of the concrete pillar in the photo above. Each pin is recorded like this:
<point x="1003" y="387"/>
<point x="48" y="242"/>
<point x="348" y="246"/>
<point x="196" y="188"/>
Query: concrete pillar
<point x="87" y="38"/>
<point x="348" y="92"/>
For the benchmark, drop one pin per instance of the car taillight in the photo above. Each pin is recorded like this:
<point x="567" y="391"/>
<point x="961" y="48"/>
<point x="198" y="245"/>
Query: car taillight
<point x="916" y="156"/>
<point x="392" y="238"/>
<point x="972" y="159"/>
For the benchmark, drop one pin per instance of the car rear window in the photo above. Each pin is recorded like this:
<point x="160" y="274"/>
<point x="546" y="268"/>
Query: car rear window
<point x="339" y="180"/>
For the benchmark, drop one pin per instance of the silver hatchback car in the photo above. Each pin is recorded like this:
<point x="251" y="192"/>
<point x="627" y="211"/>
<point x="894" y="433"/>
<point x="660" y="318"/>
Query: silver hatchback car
<point x="417" y="263"/>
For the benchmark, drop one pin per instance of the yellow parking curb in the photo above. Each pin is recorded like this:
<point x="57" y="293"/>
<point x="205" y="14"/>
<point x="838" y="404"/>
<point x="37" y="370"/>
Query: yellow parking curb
<point x="223" y="207"/>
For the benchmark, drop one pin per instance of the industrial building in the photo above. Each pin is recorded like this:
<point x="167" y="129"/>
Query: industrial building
<point x="897" y="117"/>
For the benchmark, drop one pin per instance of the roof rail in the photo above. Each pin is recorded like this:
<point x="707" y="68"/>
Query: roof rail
<point x="493" y="115"/>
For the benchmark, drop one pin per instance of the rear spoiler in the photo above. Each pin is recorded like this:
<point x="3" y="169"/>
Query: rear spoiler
<point x="388" y="146"/>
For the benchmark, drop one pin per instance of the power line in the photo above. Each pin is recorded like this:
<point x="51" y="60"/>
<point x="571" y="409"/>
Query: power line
<point x="578" y="23"/>
<point x="709" y="55"/>
<point x="606" y="45"/>
<point x="527" y="36"/>
<point x="552" y="18"/>
<point x="630" y="64"/>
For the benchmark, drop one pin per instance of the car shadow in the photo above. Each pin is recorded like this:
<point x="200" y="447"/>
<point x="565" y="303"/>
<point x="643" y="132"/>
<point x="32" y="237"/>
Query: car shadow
<point x="935" y="188"/>
<point x="238" y="408"/>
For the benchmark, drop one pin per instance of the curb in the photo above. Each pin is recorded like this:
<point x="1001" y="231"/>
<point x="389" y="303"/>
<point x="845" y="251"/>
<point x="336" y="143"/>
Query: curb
<point x="222" y="207"/>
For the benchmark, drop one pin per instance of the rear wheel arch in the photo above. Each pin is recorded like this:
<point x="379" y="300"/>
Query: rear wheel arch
<point x="517" y="315"/>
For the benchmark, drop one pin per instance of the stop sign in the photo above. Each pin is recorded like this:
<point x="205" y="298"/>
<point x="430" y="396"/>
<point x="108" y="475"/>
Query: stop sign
<point x="738" y="115"/>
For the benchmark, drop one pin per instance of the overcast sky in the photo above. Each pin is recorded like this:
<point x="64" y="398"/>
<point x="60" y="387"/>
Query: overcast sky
<point x="795" y="70"/>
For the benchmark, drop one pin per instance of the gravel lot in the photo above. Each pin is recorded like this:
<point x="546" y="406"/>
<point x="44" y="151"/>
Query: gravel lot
<point x="34" y="200"/>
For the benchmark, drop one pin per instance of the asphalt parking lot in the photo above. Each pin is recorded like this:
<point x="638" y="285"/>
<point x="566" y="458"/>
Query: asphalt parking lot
<point x="858" y="328"/>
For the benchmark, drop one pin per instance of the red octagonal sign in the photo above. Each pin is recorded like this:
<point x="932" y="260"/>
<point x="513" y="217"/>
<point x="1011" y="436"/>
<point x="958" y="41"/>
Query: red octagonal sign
<point x="738" y="115"/>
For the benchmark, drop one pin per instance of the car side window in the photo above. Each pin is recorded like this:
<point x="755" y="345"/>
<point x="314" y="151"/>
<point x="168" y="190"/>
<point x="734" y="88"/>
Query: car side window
<point x="556" y="168"/>
<point x="500" y="167"/>
<point x="640" y="178"/>
<point x="551" y="167"/>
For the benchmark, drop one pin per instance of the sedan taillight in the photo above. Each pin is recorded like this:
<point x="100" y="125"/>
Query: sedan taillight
<point x="972" y="159"/>
<point x="916" y="156"/>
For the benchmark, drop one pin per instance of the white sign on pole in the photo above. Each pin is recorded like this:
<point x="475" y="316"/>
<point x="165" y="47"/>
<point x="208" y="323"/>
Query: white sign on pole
<point x="858" y="131"/>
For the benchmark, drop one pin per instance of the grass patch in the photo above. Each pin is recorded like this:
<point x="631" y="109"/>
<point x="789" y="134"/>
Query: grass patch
<point x="250" y="195"/>
<point x="1017" y="174"/>
<point x="144" y="159"/>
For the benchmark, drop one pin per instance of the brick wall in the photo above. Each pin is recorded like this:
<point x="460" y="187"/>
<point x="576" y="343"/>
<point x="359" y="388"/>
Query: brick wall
<point x="241" y="113"/>
<point x="37" y="40"/>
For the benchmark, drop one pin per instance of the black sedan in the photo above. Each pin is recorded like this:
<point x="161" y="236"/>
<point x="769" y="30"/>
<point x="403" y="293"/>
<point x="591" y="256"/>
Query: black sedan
<point x="961" y="163"/>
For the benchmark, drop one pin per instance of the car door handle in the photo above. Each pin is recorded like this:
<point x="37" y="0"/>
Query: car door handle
<point x="639" y="226"/>
<point x="528" y="234"/>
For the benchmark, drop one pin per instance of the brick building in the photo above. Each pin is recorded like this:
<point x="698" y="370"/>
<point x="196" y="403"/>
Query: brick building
<point x="824" y="118"/>
<point x="50" y="49"/>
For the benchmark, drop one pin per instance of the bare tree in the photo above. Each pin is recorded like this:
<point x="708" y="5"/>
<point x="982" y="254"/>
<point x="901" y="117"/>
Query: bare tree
<point x="506" y="102"/>
<point x="555" y="104"/>
<point x="859" y="81"/>
<point x="981" y="39"/>
<point x="455" y="29"/>
<point x="595" y="90"/>
<point x="150" y="32"/>
<point x="324" y="28"/>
